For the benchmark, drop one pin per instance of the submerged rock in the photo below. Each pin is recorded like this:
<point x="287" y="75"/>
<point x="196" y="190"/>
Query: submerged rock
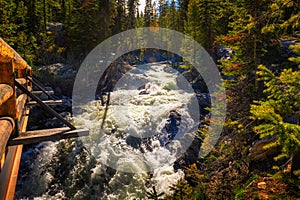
<point x="54" y="122"/>
<point x="171" y="128"/>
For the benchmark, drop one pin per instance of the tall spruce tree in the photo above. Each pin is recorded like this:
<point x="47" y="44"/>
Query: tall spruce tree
<point x="148" y="13"/>
<point x="132" y="7"/>
<point x="183" y="8"/>
<point x="168" y="15"/>
<point x="120" y="19"/>
<point x="200" y="23"/>
<point x="90" y="25"/>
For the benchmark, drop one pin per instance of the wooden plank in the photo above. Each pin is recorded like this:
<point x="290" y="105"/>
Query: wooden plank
<point x="38" y="92"/>
<point x="2" y="160"/>
<point x="29" y="70"/>
<point x="54" y="134"/>
<point x="9" y="61"/>
<point x="7" y="126"/>
<point x="13" y="178"/>
<point x="12" y="181"/>
<point x="48" y="102"/>
<point x="5" y="93"/>
<point x="6" y="177"/>
<point x="29" y="75"/>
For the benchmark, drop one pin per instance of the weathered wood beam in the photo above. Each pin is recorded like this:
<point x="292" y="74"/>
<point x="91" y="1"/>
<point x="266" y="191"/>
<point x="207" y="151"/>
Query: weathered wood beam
<point x="54" y="134"/>
<point x="11" y="108"/>
<point x="29" y="88"/>
<point x="39" y="92"/>
<point x="21" y="101"/>
<point x="8" y="54"/>
<point x="7" y="126"/>
<point x="7" y="76"/>
<point x="48" y="102"/>
<point x="22" y="81"/>
<point x="5" y="93"/>
<point x="12" y="165"/>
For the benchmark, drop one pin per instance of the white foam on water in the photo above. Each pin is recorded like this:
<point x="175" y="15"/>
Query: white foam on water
<point x="37" y="178"/>
<point x="139" y="108"/>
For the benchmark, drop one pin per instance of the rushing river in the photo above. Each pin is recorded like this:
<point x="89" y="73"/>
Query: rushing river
<point x="144" y="125"/>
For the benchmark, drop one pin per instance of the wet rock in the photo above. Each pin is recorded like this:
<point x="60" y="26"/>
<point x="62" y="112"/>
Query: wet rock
<point x="43" y="96"/>
<point x="171" y="128"/>
<point x="203" y="99"/>
<point x="143" y="92"/>
<point x="54" y="69"/>
<point x="60" y="76"/>
<point x="191" y="75"/>
<point x="133" y="141"/>
<point x="199" y="86"/>
<point x="58" y="91"/>
<point x="67" y="101"/>
<point x="54" y="122"/>
<point x="111" y="76"/>
<point x="65" y="106"/>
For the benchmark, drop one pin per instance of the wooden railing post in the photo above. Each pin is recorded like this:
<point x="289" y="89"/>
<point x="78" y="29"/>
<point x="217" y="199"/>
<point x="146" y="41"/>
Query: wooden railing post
<point x="29" y="74"/>
<point x="7" y="76"/>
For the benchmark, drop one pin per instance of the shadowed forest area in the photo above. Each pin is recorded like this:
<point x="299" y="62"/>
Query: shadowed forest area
<point x="256" y="46"/>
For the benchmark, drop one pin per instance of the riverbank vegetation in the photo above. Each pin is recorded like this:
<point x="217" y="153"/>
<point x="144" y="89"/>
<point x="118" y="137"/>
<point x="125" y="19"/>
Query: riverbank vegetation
<point x="256" y="47"/>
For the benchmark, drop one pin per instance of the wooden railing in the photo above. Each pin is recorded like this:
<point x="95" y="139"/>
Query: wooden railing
<point x="13" y="115"/>
<point x="12" y="101"/>
<point x="16" y="97"/>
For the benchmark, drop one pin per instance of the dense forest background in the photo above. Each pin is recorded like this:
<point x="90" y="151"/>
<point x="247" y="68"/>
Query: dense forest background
<point x="257" y="156"/>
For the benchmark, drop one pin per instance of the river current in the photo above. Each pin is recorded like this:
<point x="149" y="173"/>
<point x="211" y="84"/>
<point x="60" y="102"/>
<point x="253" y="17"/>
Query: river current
<point x="143" y="126"/>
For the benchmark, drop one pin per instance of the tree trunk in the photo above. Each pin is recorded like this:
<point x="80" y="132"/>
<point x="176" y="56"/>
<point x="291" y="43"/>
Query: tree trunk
<point x="295" y="164"/>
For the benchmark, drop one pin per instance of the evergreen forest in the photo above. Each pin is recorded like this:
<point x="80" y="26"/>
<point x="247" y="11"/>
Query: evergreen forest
<point x="256" y="47"/>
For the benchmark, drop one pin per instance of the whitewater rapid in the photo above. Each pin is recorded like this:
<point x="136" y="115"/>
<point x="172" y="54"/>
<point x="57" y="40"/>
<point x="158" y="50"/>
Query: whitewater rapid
<point x="132" y="143"/>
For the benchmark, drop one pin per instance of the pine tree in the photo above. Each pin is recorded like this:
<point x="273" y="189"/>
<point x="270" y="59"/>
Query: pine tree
<point x="168" y="15"/>
<point x="278" y="113"/>
<point x="140" y="20"/>
<point x="90" y="25"/>
<point x="120" y="19"/>
<point x="14" y="29"/>
<point x="132" y="6"/>
<point x="200" y="23"/>
<point x="7" y="27"/>
<point x="183" y="8"/>
<point x="148" y="13"/>
<point x="253" y="26"/>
